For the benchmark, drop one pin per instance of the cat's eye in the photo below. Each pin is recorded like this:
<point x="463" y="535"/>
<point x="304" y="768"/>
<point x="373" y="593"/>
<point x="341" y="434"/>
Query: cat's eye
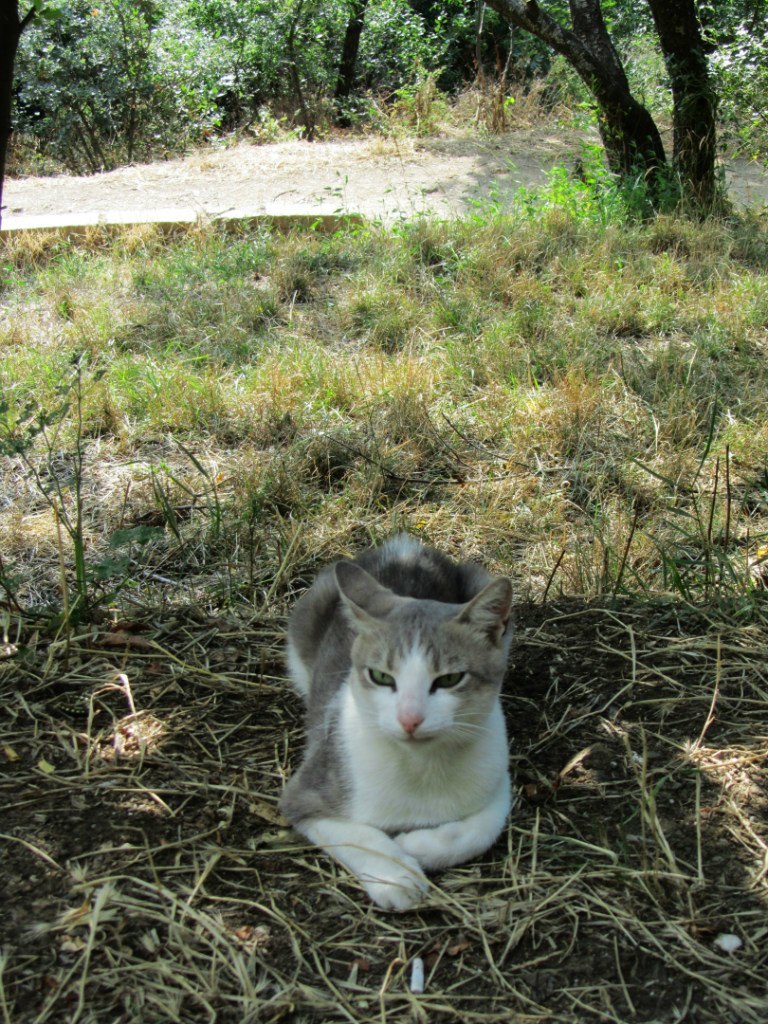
<point x="381" y="678"/>
<point x="448" y="680"/>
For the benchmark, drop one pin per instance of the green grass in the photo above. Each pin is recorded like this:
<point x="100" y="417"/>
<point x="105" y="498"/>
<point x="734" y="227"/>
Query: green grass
<point x="544" y="383"/>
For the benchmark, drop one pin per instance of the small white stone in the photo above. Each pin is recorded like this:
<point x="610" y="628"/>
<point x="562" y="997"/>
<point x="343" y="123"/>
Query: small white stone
<point x="728" y="943"/>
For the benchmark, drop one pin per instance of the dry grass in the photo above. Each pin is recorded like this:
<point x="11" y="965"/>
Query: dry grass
<point x="270" y="403"/>
<point x="150" y="877"/>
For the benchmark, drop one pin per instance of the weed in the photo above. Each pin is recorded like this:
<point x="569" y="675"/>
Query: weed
<point x="373" y="317"/>
<point x="59" y="481"/>
<point x="420" y="104"/>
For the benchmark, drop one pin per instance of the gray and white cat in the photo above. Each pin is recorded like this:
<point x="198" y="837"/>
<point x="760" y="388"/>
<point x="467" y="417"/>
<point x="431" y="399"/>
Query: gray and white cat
<point x="400" y="656"/>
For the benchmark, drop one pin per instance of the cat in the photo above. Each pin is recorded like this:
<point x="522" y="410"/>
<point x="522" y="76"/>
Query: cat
<point x="400" y="655"/>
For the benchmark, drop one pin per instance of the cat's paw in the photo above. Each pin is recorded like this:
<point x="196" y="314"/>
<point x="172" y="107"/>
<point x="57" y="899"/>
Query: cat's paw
<point x="395" y="884"/>
<point x="435" y="848"/>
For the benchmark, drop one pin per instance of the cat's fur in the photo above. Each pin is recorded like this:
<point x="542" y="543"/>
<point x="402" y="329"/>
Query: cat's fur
<point x="401" y="776"/>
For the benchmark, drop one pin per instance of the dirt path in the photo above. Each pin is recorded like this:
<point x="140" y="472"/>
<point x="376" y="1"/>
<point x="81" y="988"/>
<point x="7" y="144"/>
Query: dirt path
<point x="377" y="177"/>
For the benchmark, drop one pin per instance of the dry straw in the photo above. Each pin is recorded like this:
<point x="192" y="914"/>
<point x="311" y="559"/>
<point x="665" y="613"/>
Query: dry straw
<point x="150" y="877"/>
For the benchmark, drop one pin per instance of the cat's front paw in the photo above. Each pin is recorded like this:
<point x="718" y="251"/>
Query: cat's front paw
<point x="395" y="884"/>
<point x="434" y="848"/>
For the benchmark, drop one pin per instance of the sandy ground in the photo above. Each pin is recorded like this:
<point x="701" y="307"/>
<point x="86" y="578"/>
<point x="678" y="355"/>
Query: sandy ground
<point x="376" y="177"/>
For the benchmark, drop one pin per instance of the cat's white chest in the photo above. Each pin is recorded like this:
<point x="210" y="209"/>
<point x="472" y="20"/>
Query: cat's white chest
<point x="398" y="785"/>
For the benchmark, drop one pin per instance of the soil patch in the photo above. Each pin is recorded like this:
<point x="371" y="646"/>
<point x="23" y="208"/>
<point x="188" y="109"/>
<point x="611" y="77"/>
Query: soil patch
<point x="386" y="178"/>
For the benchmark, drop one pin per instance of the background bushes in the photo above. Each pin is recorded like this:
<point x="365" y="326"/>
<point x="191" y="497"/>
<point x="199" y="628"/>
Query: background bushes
<point x="104" y="82"/>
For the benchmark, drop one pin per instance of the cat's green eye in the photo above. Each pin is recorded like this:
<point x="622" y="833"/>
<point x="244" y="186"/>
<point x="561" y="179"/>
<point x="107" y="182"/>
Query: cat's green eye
<point x="446" y="681"/>
<point x="380" y="678"/>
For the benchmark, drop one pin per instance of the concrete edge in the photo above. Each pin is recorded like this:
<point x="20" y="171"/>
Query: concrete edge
<point x="169" y="219"/>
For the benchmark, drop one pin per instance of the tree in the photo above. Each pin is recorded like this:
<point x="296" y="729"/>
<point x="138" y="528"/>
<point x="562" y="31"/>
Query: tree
<point x="350" y="49"/>
<point x="11" y="27"/>
<point x="694" y="102"/>
<point x="631" y="138"/>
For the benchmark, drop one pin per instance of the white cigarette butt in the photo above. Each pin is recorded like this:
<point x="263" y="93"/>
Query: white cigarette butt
<point x="417" y="975"/>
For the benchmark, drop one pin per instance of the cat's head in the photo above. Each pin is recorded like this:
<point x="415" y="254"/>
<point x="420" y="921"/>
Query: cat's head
<point x="425" y="670"/>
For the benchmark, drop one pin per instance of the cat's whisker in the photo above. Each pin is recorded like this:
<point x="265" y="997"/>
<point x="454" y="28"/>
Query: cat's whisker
<point x="466" y="735"/>
<point x="470" y="728"/>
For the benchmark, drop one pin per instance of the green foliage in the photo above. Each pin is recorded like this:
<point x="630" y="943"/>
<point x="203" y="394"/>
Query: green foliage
<point x="395" y="44"/>
<point x="647" y="74"/>
<point x="48" y="10"/>
<point x="98" y="84"/>
<point x="740" y="64"/>
<point x="590" y="192"/>
<point x="101" y="84"/>
<point x="420" y="104"/>
<point x="94" y="90"/>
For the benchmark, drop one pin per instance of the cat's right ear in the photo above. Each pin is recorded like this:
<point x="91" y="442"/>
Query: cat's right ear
<point x="488" y="612"/>
<point x="364" y="598"/>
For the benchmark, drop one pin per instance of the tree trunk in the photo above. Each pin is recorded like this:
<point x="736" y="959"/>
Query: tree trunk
<point x="293" y="67"/>
<point x="350" y="50"/>
<point x="630" y="136"/>
<point x="10" y="33"/>
<point x="694" y="100"/>
<point x="479" y="21"/>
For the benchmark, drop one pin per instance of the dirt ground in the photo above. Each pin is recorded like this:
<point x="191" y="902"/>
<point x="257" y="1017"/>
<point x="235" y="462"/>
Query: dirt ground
<point x="148" y="877"/>
<point x="386" y="178"/>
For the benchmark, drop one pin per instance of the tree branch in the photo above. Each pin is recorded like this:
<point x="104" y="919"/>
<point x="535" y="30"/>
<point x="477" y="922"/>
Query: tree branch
<point x="28" y="17"/>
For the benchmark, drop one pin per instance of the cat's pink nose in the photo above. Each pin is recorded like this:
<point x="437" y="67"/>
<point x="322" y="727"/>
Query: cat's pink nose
<point x="410" y="721"/>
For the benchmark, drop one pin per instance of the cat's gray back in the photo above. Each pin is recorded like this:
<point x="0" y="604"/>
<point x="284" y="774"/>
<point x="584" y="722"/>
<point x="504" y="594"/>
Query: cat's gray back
<point x="412" y="570"/>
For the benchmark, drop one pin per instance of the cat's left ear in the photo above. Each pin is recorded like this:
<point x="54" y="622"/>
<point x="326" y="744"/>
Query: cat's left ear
<point x="488" y="612"/>
<point x="364" y="597"/>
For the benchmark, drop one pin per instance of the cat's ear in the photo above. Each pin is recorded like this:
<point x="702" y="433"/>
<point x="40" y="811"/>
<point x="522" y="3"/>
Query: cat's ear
<point x="488" y="612"/>
<point x="364" y="598"/>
